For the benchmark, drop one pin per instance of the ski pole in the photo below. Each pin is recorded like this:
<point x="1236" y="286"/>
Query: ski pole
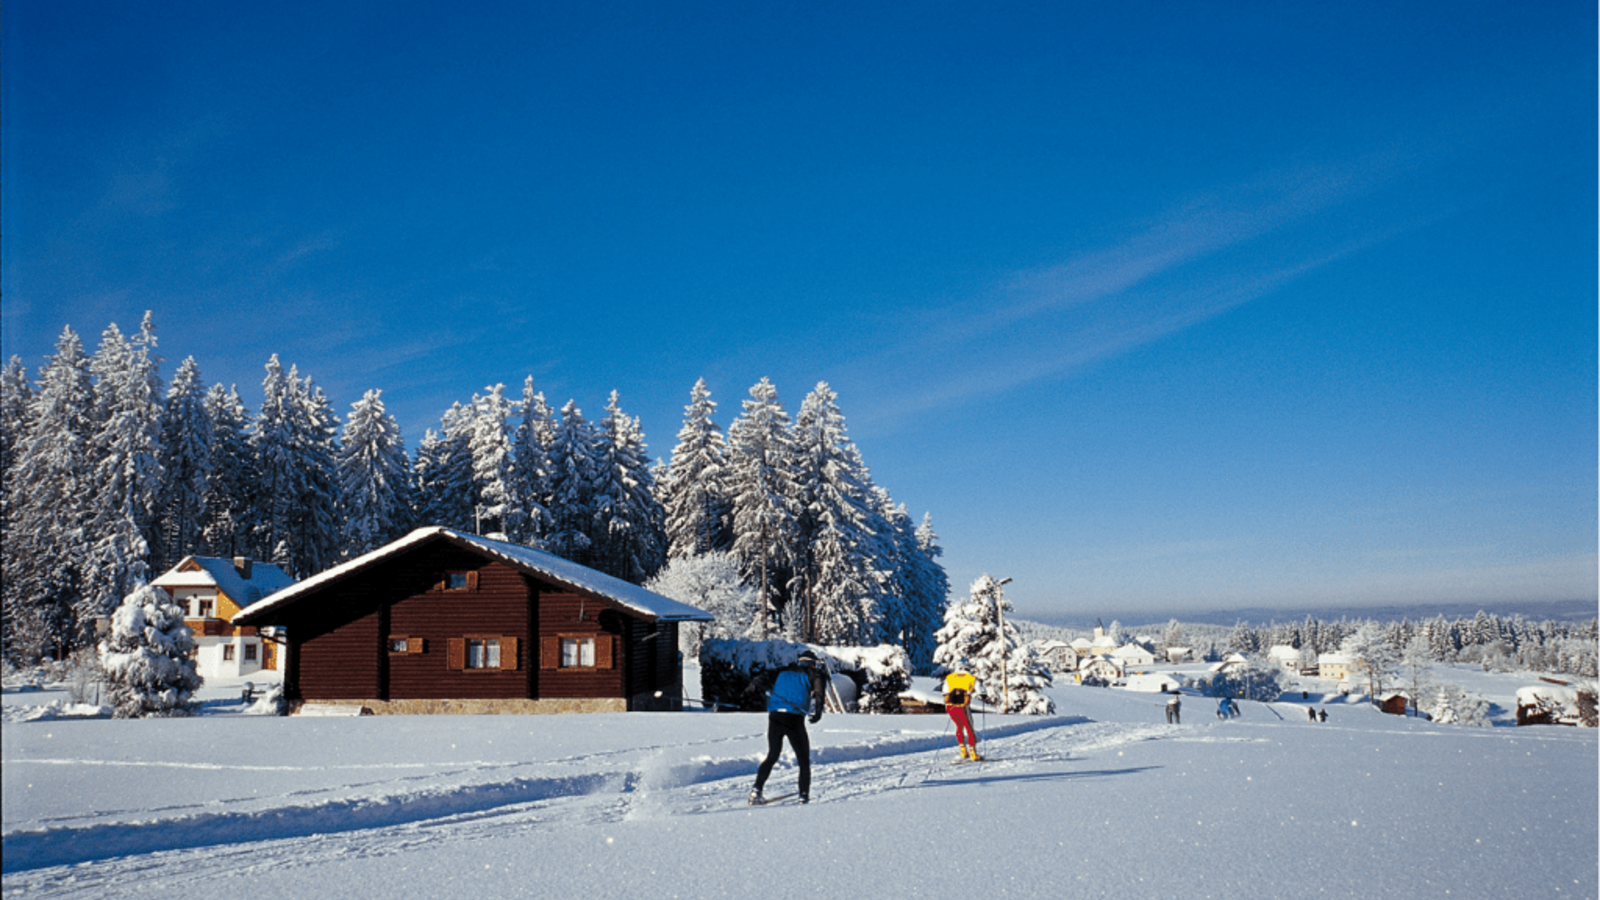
<point x="937" y="748"/>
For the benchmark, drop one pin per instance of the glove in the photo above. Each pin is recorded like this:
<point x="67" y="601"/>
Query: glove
<point x="815" y="717"/>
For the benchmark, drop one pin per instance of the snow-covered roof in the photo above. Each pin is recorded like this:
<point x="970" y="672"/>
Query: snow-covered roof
<point x="549" y="567"/>
<point x="1335" y="658"/>
<point x="216" y="571"/>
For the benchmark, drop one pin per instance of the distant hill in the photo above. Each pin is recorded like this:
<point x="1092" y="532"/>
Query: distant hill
<point x="1536" y="610"/>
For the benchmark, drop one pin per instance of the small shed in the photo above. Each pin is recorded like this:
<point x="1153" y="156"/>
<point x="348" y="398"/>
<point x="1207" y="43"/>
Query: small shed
<point x="446" y="622"/>
<point x="1395" y="703"/>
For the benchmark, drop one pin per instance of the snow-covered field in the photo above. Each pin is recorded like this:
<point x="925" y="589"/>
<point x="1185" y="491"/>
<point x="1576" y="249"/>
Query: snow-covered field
<point x="1102" y="800"/>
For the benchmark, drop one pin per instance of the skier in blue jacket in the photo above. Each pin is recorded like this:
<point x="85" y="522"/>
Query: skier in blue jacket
<point x="796" y="695"/>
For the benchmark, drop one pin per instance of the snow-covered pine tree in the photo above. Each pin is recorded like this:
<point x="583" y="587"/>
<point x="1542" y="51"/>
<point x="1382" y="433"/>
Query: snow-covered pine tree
<point x="493" y="481"/>
<point x="693" y="491"/>
<point x="18" y="622"/>
<point x="444" y="472"/>
<point x="764" y="496"/>
<point x="231" y="489"/>
<point x="186" y="459"/>
<point x="713" y="582"/>
<point x="971" y="639"/>
<point x="628" y="521"/>
<point x="929" y="599"/>
<point x="49" y="513"/>
<point x="296" y="442"/>
<point x="530" y="470"/>
<point x="1374" y="656"/>
<point x="572" y="484"/>
<point x="127" y="471"/>
<point x="146" y="657"/>
<point x="836" y="593"/>
<point x="374" y="478"/>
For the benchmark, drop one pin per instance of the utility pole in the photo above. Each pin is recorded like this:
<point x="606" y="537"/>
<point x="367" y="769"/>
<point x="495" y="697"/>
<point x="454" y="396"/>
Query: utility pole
<point x="1000" y="614"/>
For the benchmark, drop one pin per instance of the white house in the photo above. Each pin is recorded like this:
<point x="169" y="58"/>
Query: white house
<point x="1153" y="682"/>
<point x="1058" y="655"/>
<point x="1334" y="666"/>
<point x="212" y="590"/>
<point x="1105" y="668"/>
<point x="1294" y="660"/>
<point x="1134" y="655"/>
<point x="1230" y="663"/>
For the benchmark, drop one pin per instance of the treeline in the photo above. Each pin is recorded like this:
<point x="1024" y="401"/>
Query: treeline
<point x="1493" y="641"/>
<point x="112" y="475"/>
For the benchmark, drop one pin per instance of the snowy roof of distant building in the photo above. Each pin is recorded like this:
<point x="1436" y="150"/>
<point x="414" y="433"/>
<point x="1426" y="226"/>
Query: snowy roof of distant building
<point x="1335" y="658"/>
<point x="265" y="578"/>
<point x="1081" y="644"/>
<point x="547" y="566"/>
<point x="1283" y="651"/>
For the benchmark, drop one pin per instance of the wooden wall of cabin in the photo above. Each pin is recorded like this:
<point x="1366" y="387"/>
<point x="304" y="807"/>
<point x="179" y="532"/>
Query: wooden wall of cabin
<point x="336" y="652"/>
<point x="563" y="614"/>
<point x="495" y="604"/>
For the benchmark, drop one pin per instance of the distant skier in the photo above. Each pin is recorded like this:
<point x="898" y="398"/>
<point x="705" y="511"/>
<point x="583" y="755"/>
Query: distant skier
<point x="796" y="694"/>
<point x="958" y="688"/>
<point x="1172" y="708"/>
<point x="1312" y="713"/>
<point x="1227" y="709"/>
<point x="1322" y="714"/>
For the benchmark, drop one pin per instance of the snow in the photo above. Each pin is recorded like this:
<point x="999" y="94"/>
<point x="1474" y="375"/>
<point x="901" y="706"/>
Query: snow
<point x="1100" y="800"/>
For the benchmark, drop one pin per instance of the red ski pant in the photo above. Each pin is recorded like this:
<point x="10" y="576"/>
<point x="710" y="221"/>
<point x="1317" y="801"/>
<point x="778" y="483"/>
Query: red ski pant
<point x="964" y="734"/>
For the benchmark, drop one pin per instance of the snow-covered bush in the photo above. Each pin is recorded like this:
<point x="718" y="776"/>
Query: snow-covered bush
<point x="711" y="581"/>
<point x="146" y="657"/>
<point x="971" y="640"/>
<point x="728" y="668"/>
<point x="84" y="676"/>
<point x="1450" y="705"/>
<point x="270" y="703"/>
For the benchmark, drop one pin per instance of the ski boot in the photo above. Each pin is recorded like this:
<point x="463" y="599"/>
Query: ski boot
<point x="973" y="754"/>
<point x="963" y="757"/>
<point x="804" y="799"/>
<point x="755" y="797"/>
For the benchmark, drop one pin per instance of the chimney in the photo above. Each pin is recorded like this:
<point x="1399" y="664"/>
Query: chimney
<point x="242" y="564"/>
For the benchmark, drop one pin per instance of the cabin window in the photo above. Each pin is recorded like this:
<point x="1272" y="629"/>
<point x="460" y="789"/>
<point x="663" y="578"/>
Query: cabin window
<point x="459" y="581"/>
<point x="208" y="606"/>
<point x="249" y="652"/>
<point x="227" y="652"/>
<point x="483" y="653"/>
<point x="577" y="652"/>
<point x="397" y="645"/>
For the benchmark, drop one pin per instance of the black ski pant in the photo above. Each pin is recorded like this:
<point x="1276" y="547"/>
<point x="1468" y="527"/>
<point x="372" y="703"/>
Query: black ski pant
<point x="793" y="726"/>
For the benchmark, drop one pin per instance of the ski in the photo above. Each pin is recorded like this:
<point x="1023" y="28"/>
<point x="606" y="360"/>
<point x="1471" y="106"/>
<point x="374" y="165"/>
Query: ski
<point x="768" y="801"/>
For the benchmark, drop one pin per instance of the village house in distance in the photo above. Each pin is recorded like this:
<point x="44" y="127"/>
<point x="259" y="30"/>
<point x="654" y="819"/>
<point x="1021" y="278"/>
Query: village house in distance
<point x="211" y="591"/>
<point x="446" y="622"/>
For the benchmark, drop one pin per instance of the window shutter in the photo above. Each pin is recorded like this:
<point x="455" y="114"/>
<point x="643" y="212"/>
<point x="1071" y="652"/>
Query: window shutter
<point x="441" y="585"/>
<point x="602" y="650"/>
<point x="456" y="654"/>
<point x="472" y="580"/>
<point x="413" y="645"/>
<point x="508" y="653"/>
<point x="550" y="653"/>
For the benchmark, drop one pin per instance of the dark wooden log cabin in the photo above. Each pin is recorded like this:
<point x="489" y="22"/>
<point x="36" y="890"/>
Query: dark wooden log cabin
<point x="441" y="621"/>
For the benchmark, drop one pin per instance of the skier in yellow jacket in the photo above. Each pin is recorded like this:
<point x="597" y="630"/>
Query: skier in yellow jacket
<point x="958" y="688"/>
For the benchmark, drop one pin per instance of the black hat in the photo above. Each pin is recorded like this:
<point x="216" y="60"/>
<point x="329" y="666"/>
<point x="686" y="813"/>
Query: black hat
<point x="808" y="657"/>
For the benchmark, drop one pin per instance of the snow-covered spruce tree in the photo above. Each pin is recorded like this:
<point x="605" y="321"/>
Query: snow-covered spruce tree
<point x="971" y="640"/>
<point x="489" y="443"/>
<point x="929" y="600"/>
<point x="713" y="582"/>
<point x="16" y="397"/>
<point x="185" y="455"/>
<point x="1252" y="681"/>
<point x="444" y="473"/>
<point x="628" y="521"/>
<point x="374" y="478"/>
<point x="127" y="472"/>
<point x="765" y="499"/>
<point x="835" y="593"/>
<point x="146" y="657"/>
<point x="1374" y="656"/>
<point x="1416" y="667"/>
<point x="50" y="509"/>
<point x="694" y="493"/>
<point x="231" y="489"/>
<point x="530" y="469"/>
<point x="572" y="484"/>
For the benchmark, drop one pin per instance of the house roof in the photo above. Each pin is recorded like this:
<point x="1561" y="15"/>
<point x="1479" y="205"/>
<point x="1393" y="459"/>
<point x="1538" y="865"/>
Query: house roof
<point x="546" y="566"/>
<point x="265" y="578"/>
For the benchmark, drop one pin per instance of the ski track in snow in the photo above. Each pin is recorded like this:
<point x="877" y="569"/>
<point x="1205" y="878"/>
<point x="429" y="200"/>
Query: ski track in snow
<point x="589" y="789"/>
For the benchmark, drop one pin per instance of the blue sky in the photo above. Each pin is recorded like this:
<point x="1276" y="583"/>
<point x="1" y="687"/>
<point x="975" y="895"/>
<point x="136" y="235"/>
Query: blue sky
<point x="1153" y="306"/>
